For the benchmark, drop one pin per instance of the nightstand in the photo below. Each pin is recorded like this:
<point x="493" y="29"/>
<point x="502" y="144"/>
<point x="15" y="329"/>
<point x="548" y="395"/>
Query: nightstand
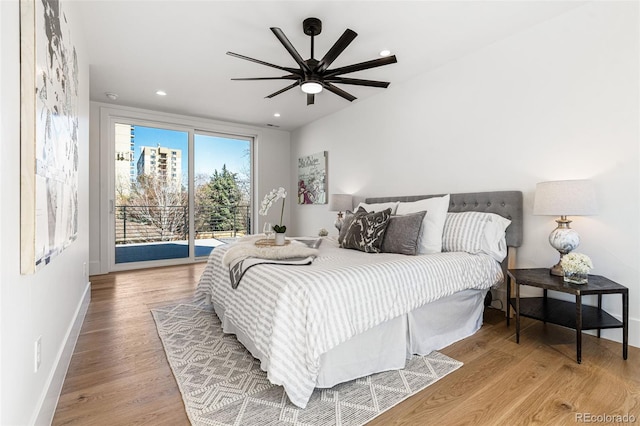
<point x="567" y="314"/>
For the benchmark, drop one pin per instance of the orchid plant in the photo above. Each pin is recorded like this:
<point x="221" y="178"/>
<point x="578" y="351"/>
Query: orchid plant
<point x="268" y="201"/>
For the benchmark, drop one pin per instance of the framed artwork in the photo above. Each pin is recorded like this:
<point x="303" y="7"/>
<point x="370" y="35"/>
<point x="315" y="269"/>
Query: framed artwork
<point x="312" y="179"/>
<point x="48" y="134"/>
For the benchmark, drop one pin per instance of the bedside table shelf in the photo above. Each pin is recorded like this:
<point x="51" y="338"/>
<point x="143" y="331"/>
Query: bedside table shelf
<point x="563" y="313"/>
<point x="573" y="315"/>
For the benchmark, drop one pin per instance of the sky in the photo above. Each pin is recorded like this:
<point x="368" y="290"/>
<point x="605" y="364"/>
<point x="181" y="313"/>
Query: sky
<point x="211" y="152"/>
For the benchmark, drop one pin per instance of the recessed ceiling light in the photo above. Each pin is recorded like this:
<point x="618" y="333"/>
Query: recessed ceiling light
<point x="277" y="114"/>
<point x="385" y="52"/>
<point x="111" y="95"/>
<point x="161" y="93"/>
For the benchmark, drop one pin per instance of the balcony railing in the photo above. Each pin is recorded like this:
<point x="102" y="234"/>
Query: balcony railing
<point x="139" y="224"/>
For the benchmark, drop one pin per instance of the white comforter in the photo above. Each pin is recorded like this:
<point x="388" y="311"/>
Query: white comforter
<point x="294" y="314"/>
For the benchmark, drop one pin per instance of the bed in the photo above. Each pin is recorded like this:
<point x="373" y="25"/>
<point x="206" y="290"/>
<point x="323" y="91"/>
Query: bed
<point x="350" y="314"/>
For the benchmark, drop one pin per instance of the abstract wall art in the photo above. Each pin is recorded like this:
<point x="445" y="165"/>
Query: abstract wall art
<point x="48" y="134"/>
<point x="312" y="179"/>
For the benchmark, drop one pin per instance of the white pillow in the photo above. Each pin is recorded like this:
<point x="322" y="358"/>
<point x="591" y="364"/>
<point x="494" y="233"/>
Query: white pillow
<point x="377" y="207"/>
<point x="476" y="232"/>
<point x="430" y="240"/>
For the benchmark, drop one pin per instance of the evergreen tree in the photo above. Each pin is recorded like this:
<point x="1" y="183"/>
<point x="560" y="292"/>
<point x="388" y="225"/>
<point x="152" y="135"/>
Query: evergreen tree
<point x="218" y="200"/>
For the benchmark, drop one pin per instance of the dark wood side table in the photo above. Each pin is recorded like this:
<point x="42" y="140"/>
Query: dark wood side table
<point x="568" y="314"/>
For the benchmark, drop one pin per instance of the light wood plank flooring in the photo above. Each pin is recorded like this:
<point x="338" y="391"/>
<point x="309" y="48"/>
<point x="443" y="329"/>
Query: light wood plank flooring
<point x="119" y="374"/>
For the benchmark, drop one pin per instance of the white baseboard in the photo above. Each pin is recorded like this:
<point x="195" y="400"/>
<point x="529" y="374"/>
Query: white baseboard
<point x="615" y="334"/>
<point x="49" y="399"/>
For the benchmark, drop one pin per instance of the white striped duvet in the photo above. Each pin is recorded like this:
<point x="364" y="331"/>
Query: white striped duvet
<point x="294" y="314"/>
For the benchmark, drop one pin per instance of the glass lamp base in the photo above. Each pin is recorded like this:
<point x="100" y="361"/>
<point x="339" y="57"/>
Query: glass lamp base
<point x="339" y="221"/>
<point x="564" y="239"/>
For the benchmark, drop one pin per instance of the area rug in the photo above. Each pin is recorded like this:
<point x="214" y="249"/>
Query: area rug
<point x="222" y="384"/>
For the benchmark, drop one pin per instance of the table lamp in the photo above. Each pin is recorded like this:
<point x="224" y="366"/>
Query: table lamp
<point x="564" y="198"/>
<point x="338" y="203"/>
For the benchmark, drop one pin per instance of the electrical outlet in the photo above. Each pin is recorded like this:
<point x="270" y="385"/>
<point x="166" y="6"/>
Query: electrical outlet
<point x="38" y="354"/>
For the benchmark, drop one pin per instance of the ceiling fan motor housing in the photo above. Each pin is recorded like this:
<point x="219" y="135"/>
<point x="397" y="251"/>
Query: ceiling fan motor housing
<point x="312" y="26"/>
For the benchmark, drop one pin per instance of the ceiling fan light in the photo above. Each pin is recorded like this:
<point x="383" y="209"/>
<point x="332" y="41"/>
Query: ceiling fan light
<point x="311" y="87"/>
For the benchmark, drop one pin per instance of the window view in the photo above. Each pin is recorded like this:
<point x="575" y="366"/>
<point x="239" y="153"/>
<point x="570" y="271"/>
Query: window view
<point x="152" y="217"/>
<point x="151" y="204"/>
<point x="222" y="190"/>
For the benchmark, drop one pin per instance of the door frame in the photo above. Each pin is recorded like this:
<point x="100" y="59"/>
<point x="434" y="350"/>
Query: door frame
<point x="108" y="118"/>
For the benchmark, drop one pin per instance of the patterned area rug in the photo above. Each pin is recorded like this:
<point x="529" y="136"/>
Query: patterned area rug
<point x="222" y="384"/>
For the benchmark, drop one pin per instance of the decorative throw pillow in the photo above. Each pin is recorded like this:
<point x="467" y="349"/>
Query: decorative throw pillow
<point x="431" y="232"/>
<point x="376" y="207"/>
<point x="494" y="241"/>
<point x="476" y="232"/>
<point x="346" y="222"/>
<point x="366" y="231"/>
<point x="402" y="234"/>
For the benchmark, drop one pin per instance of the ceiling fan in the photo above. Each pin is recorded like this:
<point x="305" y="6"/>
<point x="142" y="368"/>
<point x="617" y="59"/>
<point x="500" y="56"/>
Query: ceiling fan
<point x="314" y="75"/>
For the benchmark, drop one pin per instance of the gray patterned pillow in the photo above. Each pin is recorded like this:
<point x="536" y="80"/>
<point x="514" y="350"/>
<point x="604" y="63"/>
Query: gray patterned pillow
<point x="348" y="218"/>
<point x="402" y="234"/>
<point x="366" y="231"/>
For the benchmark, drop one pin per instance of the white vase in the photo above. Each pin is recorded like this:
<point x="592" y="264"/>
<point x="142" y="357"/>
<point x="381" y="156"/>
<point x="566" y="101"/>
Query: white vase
<point x="280" y="238"/>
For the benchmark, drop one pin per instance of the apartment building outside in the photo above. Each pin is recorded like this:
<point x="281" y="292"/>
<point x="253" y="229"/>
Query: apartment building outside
<point x="125" y="158"/>
<point x="162" y="162"/>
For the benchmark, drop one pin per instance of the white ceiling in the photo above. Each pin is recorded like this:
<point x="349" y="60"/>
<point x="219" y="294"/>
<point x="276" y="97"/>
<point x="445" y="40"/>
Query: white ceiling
<point x="138" y="47"/>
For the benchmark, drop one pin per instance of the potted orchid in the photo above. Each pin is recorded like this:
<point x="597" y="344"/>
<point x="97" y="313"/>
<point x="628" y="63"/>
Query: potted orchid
<point x="576" y="267"/>
<point x="267" y="202"/>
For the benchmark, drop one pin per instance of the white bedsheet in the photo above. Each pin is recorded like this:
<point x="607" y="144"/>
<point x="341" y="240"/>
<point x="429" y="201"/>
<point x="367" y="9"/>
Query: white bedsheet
<point x="294" y="314"/>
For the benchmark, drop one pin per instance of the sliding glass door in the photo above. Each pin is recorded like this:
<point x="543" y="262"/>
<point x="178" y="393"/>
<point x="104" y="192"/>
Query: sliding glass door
<point x="179" y="193"/>
<point x="152" y="194"/>
<point x="222" y="190"/>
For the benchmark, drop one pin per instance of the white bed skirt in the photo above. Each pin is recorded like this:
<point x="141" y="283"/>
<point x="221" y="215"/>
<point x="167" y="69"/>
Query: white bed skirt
<point x="387" y="346"/>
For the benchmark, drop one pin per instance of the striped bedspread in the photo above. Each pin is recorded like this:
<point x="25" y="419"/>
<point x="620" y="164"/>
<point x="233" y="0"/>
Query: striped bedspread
<point x="294" y="314"/>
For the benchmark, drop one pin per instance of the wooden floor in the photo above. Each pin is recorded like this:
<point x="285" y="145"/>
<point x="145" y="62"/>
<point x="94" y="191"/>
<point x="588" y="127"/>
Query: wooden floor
<point x="119" y="374"/>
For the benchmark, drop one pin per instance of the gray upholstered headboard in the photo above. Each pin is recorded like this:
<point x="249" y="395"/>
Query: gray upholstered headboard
<point x="505" y="203"/>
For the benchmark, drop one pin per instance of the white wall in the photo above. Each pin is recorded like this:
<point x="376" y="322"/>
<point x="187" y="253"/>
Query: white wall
<point x="47" y="303"/>
<point x="4" y="63"/>
<point x="271" y="167"/>
<point x="556" y="101"/>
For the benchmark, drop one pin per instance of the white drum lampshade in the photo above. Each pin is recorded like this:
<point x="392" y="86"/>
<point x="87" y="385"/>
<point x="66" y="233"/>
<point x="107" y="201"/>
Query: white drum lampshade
<point x="339" y="203"/>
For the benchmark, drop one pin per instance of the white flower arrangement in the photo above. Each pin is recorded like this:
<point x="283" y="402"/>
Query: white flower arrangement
<point x="576" y="263"/>
<point x="268" y="201"/>
<point x="323" y="232"/>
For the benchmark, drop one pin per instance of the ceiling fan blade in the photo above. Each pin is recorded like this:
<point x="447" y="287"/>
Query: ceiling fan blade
<point x="284" y="77"/>
<point x="362" y="66"/>
<point x="345" y="39"/>
<point x="283" y="90"/>
<point x="311" y="98"/>
<point x="358" y="82"/>
<point x="330" y="87"/>
<point x="258" y="61"/>
<point x="292" y="50"/>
